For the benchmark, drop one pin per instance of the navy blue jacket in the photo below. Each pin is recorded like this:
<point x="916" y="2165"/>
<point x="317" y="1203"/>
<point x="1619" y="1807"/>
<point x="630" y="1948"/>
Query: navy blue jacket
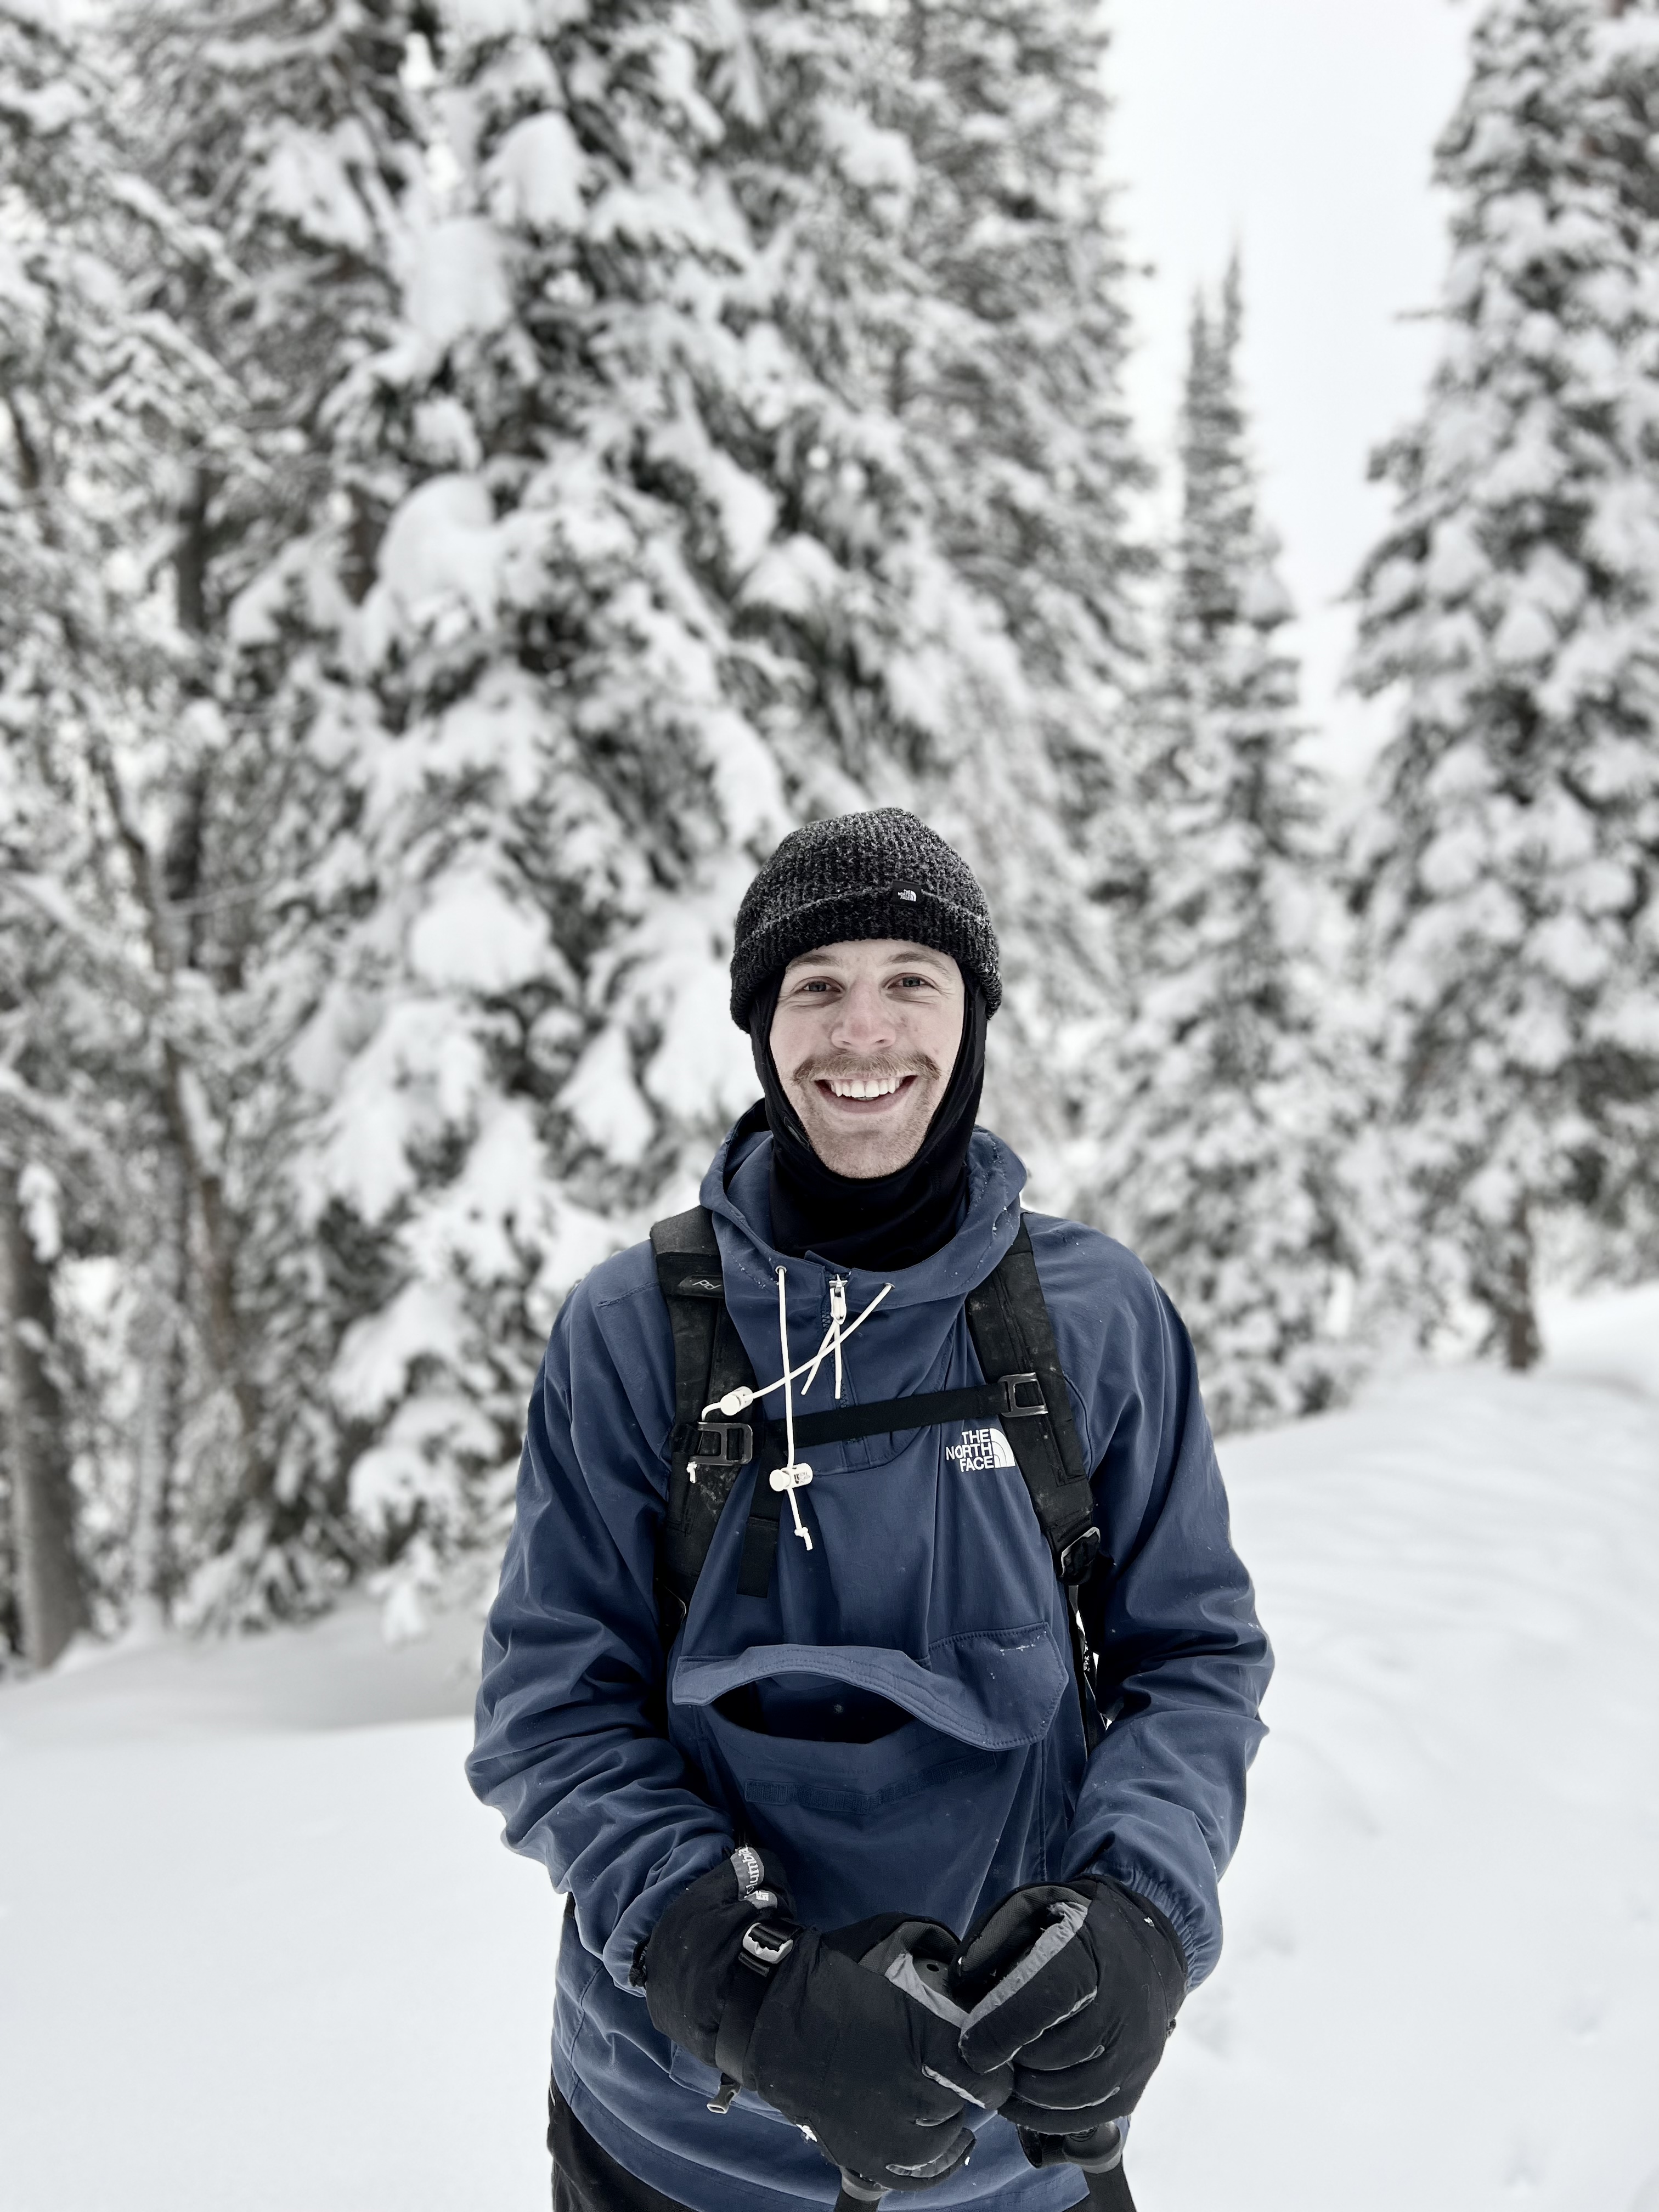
<point x="929" y="1586"/>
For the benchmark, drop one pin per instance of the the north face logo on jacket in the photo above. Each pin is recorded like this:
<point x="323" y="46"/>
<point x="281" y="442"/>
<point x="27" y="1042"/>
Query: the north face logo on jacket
<point x="982" y="1448"/>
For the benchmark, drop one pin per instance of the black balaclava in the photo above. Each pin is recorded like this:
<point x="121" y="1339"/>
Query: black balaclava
<point x="888" y="1221"/>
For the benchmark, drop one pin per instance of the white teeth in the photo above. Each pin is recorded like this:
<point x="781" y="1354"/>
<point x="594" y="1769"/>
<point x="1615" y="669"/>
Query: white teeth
<point x="872" y="1086"/>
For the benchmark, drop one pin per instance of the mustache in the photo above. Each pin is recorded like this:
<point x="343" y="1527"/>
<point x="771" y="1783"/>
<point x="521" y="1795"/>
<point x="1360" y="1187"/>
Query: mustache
<point x="842" y="1067"/>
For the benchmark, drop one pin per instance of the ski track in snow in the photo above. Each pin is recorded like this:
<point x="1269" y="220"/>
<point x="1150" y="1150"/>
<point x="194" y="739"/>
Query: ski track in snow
<point x="260" y="1951"/>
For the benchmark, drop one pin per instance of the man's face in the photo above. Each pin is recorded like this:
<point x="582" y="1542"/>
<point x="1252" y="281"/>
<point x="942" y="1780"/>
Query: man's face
<point x="865" y="1038"/>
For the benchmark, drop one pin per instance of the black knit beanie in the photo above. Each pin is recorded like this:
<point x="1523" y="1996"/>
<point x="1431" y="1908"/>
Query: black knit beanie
<point x="856" y="877"/>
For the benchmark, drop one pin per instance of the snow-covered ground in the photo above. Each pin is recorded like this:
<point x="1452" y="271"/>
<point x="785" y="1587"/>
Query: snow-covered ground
<point x="259" y="1952"/>
<point x="1441" y="1985"/>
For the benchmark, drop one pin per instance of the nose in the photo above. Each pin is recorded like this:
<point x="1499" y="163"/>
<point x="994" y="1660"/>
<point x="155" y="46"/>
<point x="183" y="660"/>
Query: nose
<point x="864" y="1020"/>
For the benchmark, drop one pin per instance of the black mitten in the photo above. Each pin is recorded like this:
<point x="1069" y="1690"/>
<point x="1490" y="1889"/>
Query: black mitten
<point x="850" y="2034"/>
<point x="855" y="2041"/>
<point x="1079" y="1983"/>
<point x="688" y="1963"/>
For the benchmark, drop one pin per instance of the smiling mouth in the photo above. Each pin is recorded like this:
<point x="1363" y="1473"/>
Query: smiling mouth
<point x="863" y="1094"/>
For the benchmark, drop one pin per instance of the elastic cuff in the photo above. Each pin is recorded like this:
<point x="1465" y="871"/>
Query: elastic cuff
<point x="1186" y="1924"/>
<point x="636" y="1924"/>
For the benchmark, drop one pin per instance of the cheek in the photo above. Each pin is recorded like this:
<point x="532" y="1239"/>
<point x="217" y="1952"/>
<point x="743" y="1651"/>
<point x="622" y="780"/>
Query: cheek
<point x="793" y="1040"/>
<point x="938" y="1032"/>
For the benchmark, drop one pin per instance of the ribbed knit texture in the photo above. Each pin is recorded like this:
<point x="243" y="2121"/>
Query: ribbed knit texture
<point x="857" y="877"/>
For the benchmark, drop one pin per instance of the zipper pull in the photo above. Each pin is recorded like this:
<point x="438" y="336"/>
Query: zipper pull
<point x="837" y="1317"/>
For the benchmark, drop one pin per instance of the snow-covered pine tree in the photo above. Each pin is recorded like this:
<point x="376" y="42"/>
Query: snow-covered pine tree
<point x="1010" y="388"/>
<point x="1506" y="873"/>
<point x="1221" y="1133"/>
<point x="286" y="131"/>
<point x="972" y="231"/>
<point x="96" y="390"/>
<point x="286" y="135"/>
<point x="632" y="504"/>
<point x="671" y="575"/>
<point x="926" y="180"/>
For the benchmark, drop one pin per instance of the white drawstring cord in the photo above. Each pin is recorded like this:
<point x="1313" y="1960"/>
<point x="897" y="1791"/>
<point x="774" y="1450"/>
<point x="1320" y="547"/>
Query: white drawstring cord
<point x="790" y="1477"/>
<point x="796" y="1474"/>
<point x="739" y="1401"/>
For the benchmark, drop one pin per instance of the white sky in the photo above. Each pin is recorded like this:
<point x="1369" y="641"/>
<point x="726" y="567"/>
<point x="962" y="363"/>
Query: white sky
<point x="1302" y="130"/>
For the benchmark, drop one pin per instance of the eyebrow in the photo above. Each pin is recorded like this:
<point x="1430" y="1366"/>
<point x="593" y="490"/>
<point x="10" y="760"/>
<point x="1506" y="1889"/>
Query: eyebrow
<point x="918" y="955"/>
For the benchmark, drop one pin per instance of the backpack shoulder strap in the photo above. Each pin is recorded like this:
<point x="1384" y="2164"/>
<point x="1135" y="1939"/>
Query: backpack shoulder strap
<point x="708" y="1361"/>
<point x="1014" y="1337"/>
<point x="1008" y="1316"/>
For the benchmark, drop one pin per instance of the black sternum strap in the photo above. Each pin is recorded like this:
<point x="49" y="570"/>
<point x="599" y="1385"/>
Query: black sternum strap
<point x="1013" y="1397"/>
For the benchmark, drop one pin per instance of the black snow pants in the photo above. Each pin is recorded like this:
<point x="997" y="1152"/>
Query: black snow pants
<point x="588" y="2180"/>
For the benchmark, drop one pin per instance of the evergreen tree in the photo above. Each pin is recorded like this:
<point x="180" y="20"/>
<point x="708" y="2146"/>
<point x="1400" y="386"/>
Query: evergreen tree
<point x="1506" y="876"/>
<point x="628" y="499"/>
<point x="286" y="137"/>
<point x="926" y="181"/>
<point x="1007" y="375"/>
<point x="676" y="568"/>
<point x="1220" y="1140"/>
<point x="96" y="389"/>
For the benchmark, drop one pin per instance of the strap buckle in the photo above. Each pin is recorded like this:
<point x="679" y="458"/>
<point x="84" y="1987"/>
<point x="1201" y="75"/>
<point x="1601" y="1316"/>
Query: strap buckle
<point x="1079" y="1556"/>
<point x="1022" y="1397"/>
<point x="765" y="1946"/>
<point x="719" y="1444"/>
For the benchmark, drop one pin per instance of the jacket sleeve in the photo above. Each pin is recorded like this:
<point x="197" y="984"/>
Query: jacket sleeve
<point x="1181" y="1654"/>
<point x="570" y="1745"/>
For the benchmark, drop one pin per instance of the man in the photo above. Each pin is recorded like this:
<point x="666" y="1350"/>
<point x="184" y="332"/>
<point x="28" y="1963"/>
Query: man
<point x="984" y="1666"/>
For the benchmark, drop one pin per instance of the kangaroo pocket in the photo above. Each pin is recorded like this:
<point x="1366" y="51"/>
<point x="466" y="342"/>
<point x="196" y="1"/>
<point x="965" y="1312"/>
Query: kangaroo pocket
<point x="959" y="1802"/>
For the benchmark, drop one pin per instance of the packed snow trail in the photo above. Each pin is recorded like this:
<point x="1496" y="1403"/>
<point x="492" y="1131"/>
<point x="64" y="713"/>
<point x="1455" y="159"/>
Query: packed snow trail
<point x="255" y="1958"/>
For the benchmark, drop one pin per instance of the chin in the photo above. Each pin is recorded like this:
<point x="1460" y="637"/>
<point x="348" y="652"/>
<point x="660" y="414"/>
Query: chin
<point x="866" y="1163"/>
<point x="864" y="1170"/>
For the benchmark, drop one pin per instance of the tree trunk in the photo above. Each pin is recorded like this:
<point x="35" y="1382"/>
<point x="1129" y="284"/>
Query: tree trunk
<point x="51" y="1601"/>
<point x="159" y="1354"/>
<point x="1523" y="1342"/>
<point x="179" y="886"/>
<point x="191" y="555"/>
<point x="221" y="1336"/>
